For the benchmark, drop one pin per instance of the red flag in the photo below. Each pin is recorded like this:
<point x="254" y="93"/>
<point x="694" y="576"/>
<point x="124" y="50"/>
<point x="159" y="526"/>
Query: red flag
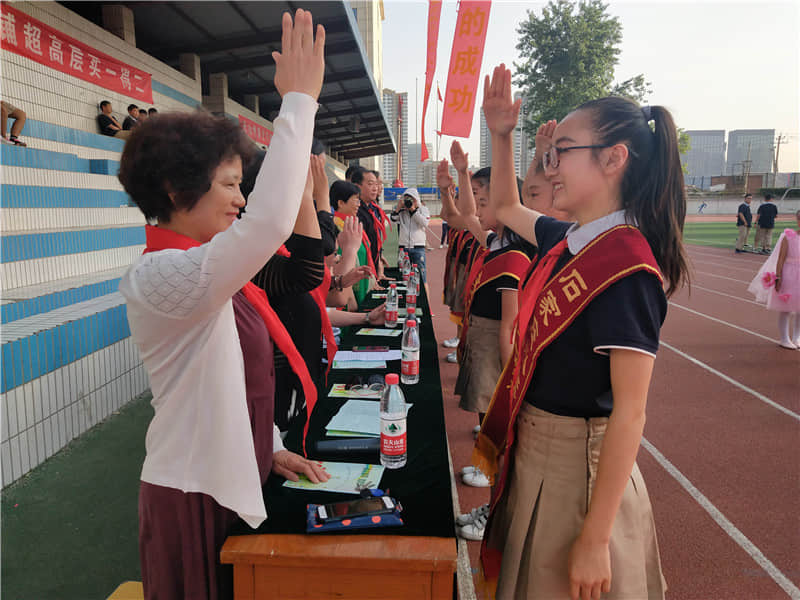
<point x="434" y="14"/>
<point x="465" y="67"/>
<point x="438" y="91"/>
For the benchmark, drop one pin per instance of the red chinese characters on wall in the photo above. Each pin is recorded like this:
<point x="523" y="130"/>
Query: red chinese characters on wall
<point x="258" y="133"/>
<point x="465" y="67"/>
<point x="33" y="39"/>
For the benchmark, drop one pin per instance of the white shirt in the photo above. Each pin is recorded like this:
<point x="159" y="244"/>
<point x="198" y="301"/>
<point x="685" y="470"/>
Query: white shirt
<point x="181" y="319"/>
<point x="412" y="227"/>
<point x="578" y="236"/>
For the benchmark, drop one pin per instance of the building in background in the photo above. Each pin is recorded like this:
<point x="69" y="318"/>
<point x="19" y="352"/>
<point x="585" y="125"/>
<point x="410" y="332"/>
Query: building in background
<point x="485" y="158"/>
<point x="758" y="144"/>
<point x="369" y="17"/>
<point x="522" y="145"/>
<point x="414" y="173"/>
<point x="395" y="166"/>
<point x="706" y="156"/>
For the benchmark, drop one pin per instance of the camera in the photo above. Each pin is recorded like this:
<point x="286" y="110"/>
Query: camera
<point x="408" y="201"/>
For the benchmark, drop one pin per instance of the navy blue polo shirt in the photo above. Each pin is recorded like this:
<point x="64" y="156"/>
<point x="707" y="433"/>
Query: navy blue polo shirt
<point x="572" y="376"/>
<point x="766" y="215"/>
<point x="744" y="209"/>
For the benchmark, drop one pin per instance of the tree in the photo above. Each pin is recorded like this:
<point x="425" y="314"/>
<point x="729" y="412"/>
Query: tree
<point x="568" y="57"/>
<point x="684" y="145"/>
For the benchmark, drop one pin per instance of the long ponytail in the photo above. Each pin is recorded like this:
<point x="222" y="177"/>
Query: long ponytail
<point x="653" y="193"/>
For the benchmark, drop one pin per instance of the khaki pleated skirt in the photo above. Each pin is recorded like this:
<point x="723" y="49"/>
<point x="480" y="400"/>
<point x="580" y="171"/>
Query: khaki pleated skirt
<point x="458" y="290"/>
<point x="543" y="508"/>
<point x="480" y="366"/>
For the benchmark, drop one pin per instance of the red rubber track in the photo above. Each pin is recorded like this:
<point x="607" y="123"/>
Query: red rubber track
<point x="740" y="452"/>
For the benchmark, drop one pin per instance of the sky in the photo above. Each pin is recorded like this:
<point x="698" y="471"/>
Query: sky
<point x="715" y="65"/>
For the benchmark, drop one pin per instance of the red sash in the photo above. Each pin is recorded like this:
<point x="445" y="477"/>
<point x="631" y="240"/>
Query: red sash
<point x="547" y="307"/>
<point x="380" y="221"/>
<point x="512" y="262"/>
<point x="453" y="239"/>
<point x="364" y="240"/>
<point x="162" y="239"/>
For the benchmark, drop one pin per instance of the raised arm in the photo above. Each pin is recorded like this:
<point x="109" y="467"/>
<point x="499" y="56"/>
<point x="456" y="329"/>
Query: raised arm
<point x="501" y="114"/>
<point x="466" y="199"/>
<point x="450" y="212"/>
<point x="205" y="277"/>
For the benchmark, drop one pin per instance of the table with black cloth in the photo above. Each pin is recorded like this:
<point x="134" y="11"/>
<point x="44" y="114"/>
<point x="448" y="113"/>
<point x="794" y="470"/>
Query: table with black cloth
<point x="417" y="560"/>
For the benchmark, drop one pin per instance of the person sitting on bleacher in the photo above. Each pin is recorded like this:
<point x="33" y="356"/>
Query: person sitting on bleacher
<point x="108" y="123"/>
<point x="132" y="120"/>
<point x="19" y="116"/>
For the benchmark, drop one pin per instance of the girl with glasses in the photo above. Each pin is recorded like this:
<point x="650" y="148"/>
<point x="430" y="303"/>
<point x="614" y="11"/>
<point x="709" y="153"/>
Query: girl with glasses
<point x="570" y="515"/>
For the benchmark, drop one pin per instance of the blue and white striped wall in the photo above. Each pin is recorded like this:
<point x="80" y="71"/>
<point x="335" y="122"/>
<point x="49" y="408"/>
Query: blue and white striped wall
<point x="69" y="232"/>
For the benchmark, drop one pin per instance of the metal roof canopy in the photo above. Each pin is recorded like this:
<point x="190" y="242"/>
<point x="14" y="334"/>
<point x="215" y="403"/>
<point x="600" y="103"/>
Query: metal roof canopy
<point x="237" y="38"/>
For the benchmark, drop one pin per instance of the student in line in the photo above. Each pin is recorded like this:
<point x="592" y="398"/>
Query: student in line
<point x="571" y="402"/>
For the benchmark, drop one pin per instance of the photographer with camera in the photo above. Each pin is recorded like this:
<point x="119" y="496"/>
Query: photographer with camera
<point x="412" y="217"/>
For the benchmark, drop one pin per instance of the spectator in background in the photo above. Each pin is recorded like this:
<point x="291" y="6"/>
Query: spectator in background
<point x="348" y="175"/>
<point x="142" y="116"/>
<point x="765" y="219"/>
<point x="744" y="220"/>
<point x="412" y="217"/>
<point x="108" y="123"/>
<point x="152" y="112"/>
<point x="19" y="116"/>
<point x="132" y="120"/>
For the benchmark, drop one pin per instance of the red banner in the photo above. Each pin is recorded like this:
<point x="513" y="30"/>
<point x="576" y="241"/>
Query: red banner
<point x="465" y="67"/>
<point x="434" y="15"/>
<point x="258" y="133"/>
<point x="33" y="39"/>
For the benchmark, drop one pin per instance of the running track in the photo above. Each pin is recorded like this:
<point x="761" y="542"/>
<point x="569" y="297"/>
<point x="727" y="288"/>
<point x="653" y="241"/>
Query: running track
<point x="721" y="455"/>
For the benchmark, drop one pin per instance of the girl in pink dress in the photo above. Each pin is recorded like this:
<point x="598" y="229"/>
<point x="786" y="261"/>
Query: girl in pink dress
<point x="777" y="284"/>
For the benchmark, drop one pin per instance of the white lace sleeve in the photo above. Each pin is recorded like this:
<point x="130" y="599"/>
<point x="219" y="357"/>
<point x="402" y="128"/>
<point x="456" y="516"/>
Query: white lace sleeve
<point x="192" y="283"/>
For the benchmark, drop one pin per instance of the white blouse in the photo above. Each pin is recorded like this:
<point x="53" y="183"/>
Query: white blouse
<point x="181" y="319"/>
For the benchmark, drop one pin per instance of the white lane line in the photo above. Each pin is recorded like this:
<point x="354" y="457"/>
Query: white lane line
<point x="732" y="381"/>
<point x="722" y="277"/>
<point x="705" y="289"/>
<point x="716" y="320"/>
<point x="729" y="528"/>
<point x="727" y="266"/>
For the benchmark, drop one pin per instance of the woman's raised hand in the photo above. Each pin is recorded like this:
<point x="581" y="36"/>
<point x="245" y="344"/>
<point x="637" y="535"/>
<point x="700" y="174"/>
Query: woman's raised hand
<point x="300" y="65"/>
<point x="351" y="234"/>
<point x="500" y="110"/>
<point x="321" y="190"/>
<point x="459" y="157"/>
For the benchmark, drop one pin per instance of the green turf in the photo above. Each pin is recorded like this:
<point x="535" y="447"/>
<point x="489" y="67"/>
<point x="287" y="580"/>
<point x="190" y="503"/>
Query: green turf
<point x="70" y="526"/>
<point x="723" y="235"/>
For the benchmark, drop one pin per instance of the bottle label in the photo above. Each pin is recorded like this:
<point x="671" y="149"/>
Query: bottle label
<point x="393" y="437"/>
<point x="391" y="316"/>
<point x="411" y="299"/>
<point x="406" y="276"/>
<point x="409" y="365"/>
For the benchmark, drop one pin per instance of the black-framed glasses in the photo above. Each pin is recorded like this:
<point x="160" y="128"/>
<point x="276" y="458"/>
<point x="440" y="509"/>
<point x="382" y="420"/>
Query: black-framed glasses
<point x="550" y="157"/>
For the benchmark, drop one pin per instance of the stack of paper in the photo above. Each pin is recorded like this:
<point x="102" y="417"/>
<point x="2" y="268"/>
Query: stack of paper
<point x="348" y="355"/>
<point x="357" y="418"/>
<point x="349" y="478"/>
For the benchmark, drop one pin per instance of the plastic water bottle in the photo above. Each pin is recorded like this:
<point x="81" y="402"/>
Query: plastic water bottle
<point x="391" y="306"/>
<point x="412" y="288"/>
<point x="409" y="363"/>
<point x="394" y="442"/>
<point x="405" y="267"/>
<point x="410" y="316"/>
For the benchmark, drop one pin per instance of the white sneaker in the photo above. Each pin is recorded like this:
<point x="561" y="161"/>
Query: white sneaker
<point x="467" y="469"/>
<point x="476" y="479"/>
<point x="474" y="531"/>
<point x="476" y="430"/>
<point x="467" y="518"/>
<point x="451" y="343"/>
<point x="452" y="357"/>
<point x="787" y="344"/>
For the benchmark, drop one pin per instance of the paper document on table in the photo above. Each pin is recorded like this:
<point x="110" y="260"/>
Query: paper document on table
<point x="339" y="390"/>
<point x="358" y="416"/>
<point x="362" y="356"/>
<point x="359" y="364"/>
<point x="347" y="478"/>
<point x="379" y="332"/>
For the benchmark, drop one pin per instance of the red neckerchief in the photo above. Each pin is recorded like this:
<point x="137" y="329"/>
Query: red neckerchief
<point x="364" y="240"/>
<point x="162" y="239"/>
